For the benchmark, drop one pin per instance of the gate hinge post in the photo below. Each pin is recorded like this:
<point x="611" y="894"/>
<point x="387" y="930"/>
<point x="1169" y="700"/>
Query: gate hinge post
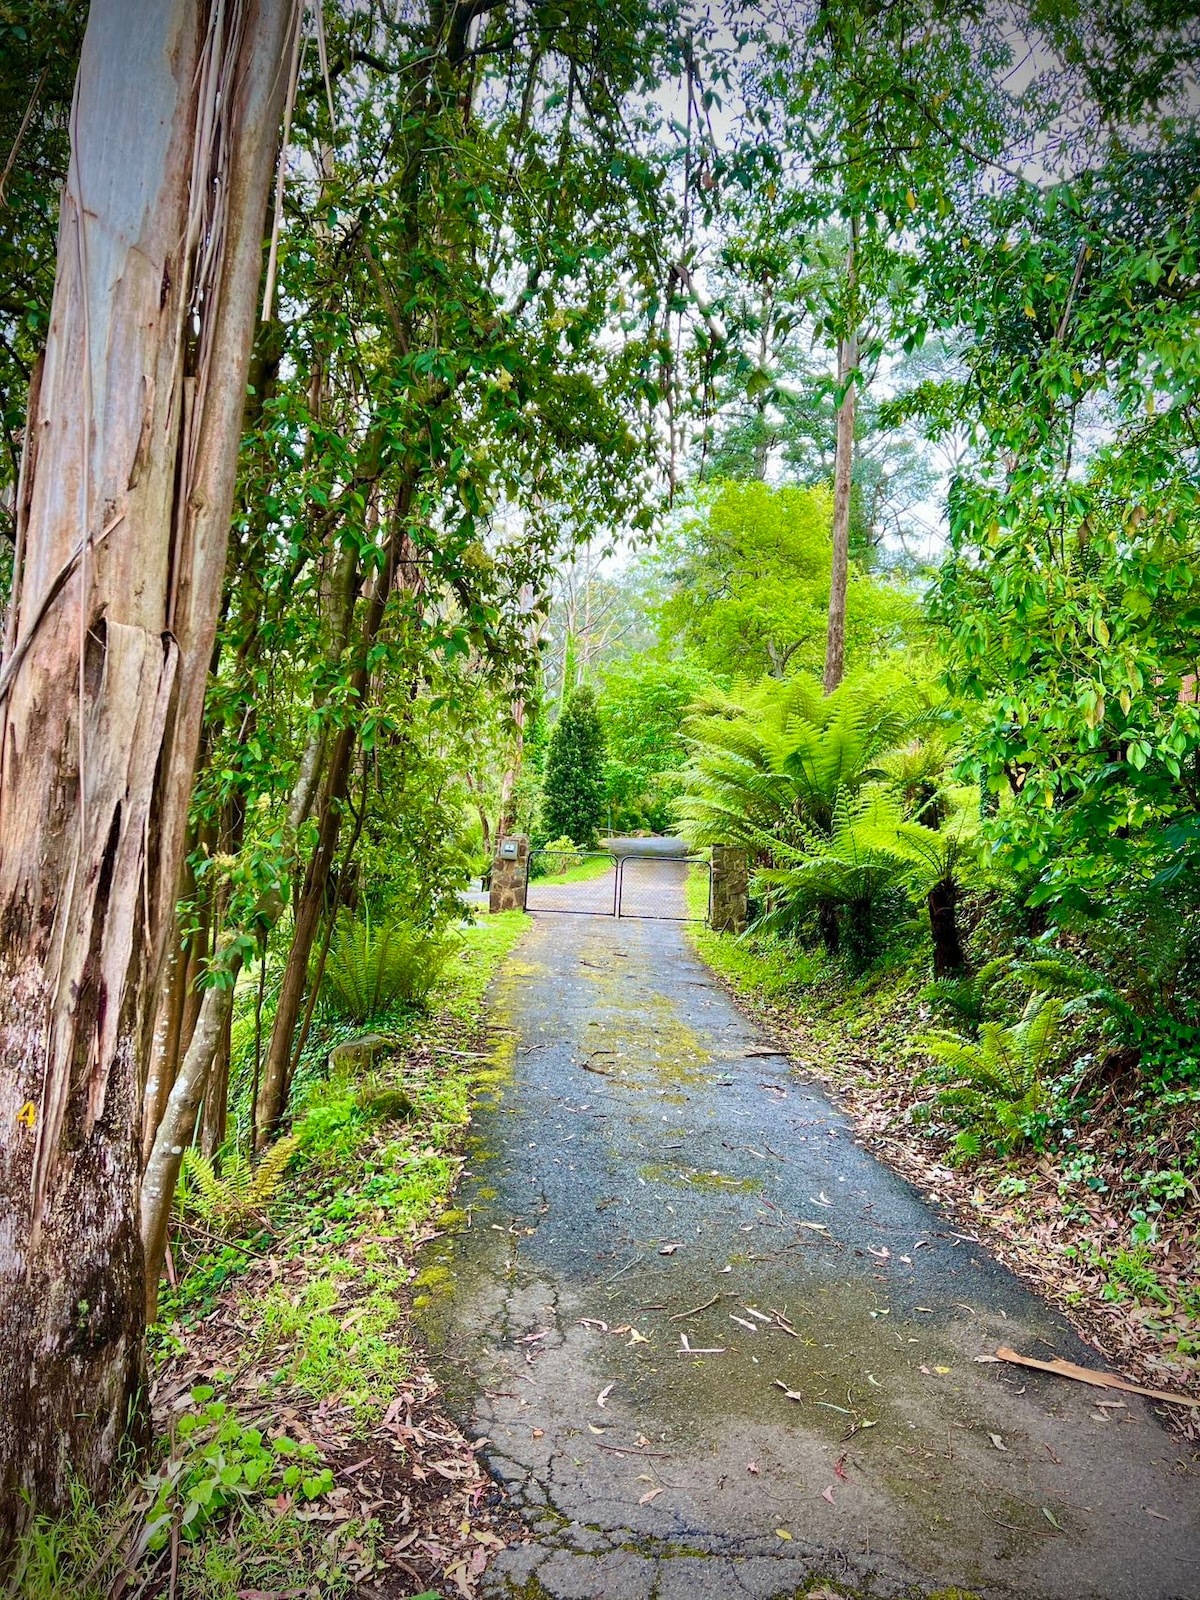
<point x="729" y="891"/>
<point x="510" y="874"/>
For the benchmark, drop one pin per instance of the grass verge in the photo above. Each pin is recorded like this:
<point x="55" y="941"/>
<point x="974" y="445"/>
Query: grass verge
<point x="300" y="1445"/>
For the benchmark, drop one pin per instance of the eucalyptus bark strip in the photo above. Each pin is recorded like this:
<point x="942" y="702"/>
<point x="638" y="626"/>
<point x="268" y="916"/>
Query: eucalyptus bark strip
<point x="127" y="486"/>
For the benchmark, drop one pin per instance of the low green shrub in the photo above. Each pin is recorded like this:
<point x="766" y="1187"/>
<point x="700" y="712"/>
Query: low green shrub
<point x="370" y="970"/>
<point x="995" y="1086"/>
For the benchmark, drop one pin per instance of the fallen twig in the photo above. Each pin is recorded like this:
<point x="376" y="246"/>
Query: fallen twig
<point x="632" y="1450"/>
<point x="685" y="1349"/>
<point x="680" y="1315"/>
<point x="628" y="1267"/>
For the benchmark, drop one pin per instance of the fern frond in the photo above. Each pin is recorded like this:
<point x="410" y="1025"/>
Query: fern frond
<point x="207" y="1191"/>
<point x="268" y="1174"/>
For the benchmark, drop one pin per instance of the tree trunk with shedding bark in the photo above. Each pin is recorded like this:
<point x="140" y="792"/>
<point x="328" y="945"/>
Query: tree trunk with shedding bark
<point x="843" y="480"/>
<point x="127" y="483"/>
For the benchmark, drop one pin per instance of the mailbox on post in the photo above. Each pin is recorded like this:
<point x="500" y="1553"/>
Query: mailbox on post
<point x="509" y="849"/>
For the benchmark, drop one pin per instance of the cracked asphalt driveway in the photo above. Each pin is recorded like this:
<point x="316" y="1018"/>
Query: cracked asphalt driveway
<point x="718" y="1349"/>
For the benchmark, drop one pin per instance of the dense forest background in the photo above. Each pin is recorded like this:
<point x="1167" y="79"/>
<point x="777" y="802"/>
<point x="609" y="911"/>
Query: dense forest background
<point x="784" y="424"/>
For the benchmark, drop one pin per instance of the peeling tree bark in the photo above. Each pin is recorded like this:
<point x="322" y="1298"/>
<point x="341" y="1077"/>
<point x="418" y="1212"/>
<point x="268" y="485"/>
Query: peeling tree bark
<point x="127" y="486"/>
<point x="843" y="478"/>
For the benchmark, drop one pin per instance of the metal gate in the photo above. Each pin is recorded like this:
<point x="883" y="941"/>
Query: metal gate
<point x="582" y="882"/>
<point x="655" y="888"/>
<point x="594" y="883"/>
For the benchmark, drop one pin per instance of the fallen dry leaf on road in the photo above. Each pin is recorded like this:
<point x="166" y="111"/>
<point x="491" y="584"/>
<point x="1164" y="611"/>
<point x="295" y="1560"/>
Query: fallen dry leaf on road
<point x="604" y="1394"/>
<point x="685" y="1349"/>
<point x="668" y="1249"/>
<point x="782" y="1533"/>
<point x="997" y="1441"/>
<point x="752" y="1468"/>
<point x="792" y="1394"/>
<point x="650" y="1494"/>
<point x="827" y="1494"/>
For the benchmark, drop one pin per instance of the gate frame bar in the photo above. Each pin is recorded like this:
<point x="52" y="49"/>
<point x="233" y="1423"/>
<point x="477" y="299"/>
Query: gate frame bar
<point x="642" y="916"/>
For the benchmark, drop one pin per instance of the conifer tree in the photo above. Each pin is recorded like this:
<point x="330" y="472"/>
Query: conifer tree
<point x="573" y="793"/>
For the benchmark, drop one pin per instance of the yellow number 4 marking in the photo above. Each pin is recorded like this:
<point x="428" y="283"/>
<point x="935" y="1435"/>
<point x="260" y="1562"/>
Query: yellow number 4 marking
<point x="28" y="1114"/>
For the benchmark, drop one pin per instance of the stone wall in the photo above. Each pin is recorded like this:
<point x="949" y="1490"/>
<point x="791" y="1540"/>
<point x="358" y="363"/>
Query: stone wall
<point x="510" y="877"/>
<point x="730" y="888"/>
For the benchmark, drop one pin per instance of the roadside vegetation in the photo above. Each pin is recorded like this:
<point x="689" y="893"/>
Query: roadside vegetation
<point x="425" y="423"/>
<point x="300" y="1438"/>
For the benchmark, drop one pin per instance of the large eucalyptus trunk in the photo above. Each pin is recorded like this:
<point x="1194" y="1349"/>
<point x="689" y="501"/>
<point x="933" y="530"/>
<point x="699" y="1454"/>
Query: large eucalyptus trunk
<point x="843" y="478"/>
<point x="127" y="483"/>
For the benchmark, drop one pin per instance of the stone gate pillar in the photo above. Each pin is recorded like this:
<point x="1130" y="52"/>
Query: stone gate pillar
<point x="730" y="888"/>
<point x="510" y="873"/>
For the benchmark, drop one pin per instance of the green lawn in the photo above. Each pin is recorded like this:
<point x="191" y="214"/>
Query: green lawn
<point x="574" y="870"/>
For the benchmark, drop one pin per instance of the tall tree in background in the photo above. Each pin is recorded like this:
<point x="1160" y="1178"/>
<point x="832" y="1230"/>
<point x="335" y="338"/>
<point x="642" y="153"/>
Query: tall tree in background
<point x="843" y="472"/>
<point x="574" y="791"/>
<point x="122" y="519"/>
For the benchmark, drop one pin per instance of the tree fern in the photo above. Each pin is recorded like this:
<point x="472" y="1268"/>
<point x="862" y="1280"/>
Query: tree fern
<point x="771" y="764"/>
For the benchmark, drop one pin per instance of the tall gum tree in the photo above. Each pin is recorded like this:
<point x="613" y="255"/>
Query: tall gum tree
<point x="123" y="510"/>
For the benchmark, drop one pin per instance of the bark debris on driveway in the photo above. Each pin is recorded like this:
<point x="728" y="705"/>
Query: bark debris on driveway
<point x="717" y="1348"/>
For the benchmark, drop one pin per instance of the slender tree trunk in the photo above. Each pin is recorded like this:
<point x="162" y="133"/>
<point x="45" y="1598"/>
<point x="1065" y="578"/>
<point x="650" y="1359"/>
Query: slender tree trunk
<point x="271" y="1101"/>
<point x="177" y="1126"/>
<point x="507" y="818"/>
<point x="843" y="477"/>
<point x="942" y="901"/>
<point x="165" y="1046"/>
<point x="215" y="1115"/>
<point x="128" y="477"/>
<point x="178" y="1123"/>
<point x="273" y="1090"/>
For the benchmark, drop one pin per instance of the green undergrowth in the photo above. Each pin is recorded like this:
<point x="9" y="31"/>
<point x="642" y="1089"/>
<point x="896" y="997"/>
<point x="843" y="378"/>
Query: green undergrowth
<point x="303" y="1303"/>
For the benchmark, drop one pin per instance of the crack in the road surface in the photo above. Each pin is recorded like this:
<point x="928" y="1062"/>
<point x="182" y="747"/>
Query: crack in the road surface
<point x="700" y="1196"/>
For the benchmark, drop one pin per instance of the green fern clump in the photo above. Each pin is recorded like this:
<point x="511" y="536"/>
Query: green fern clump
<point x="995" y="1086"/>
<point x="229" y="1201"/>
<point x="369" y="969"/>
<point x="970" y="999"/>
